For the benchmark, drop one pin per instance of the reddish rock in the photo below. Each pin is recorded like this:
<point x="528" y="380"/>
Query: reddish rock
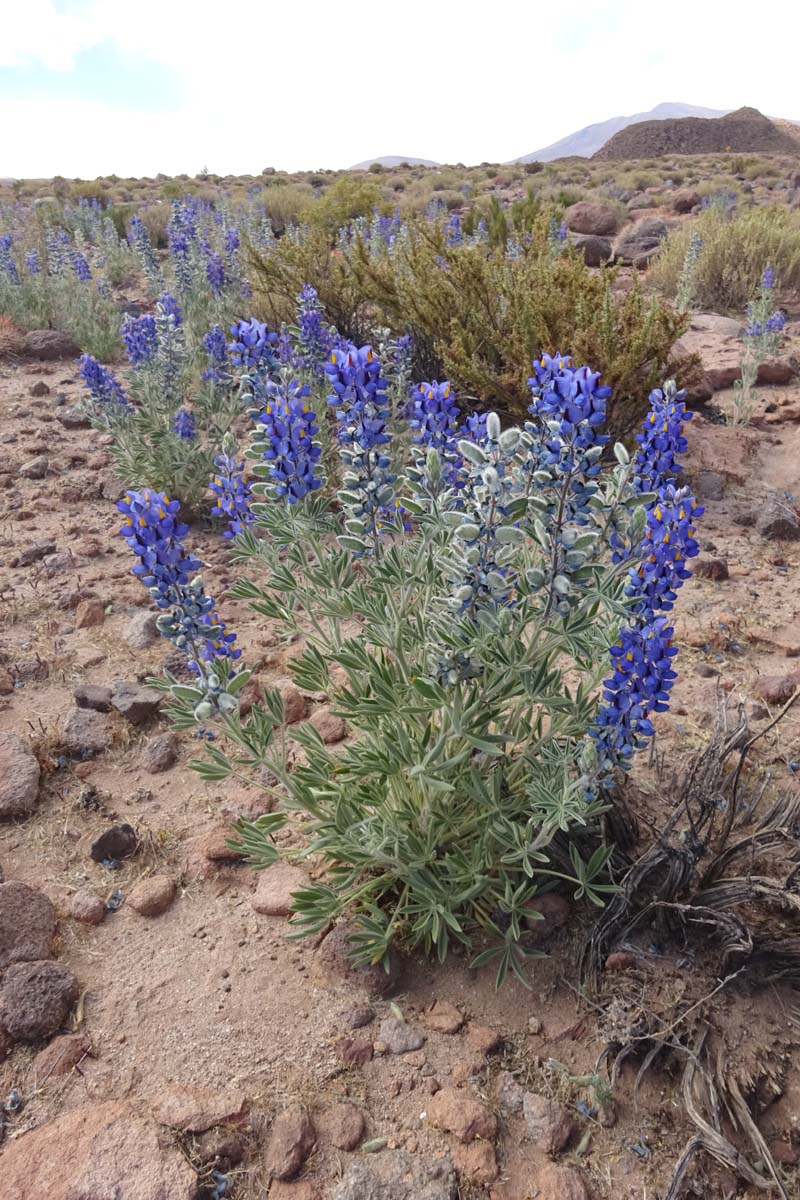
<point x="86" y="733"/>
<point x="295" y="704"/>
<point x="60" y="1056"/>
<point x="784" y="1153"/>
<point x="444" y="1017"/>
<point x="160" y="754"/>
<point x="273" y="894"/>
<point x="710" y="568"/>
<point x="6" y="683"/>
<point x="215" y="848"/>
<point x="684" y="201"/>
<point x="329" y="727"/>
<point x="620" y="960"/>
<point x="776" y="689"/>
<point x="135" y="703"/>
<point x="355" y="1052"/>
<point x="87" y="908"/>
<point x="549" y="913"/>
<point x="291" y="1140"/>
<point x="103" y="1150"/>
<point x="588" y="217"/>
<point x="461" y="1114"/>
<point x="476" y="1163"/>
<point x="35" y="999"/>
<point x="548" y="1123"/>
<point x="89" y="695"/>
<point x="19" y="777"/>
<point x="191" y="1109"/>
<point x="343" y="1126"/>
<point x="89" y="613"/>
<point x="334" y="965"/>
<point x="561" y="1183"/>
<point x="27" y="924"/>
<point x="595" y="250"/>
<point x="152" y="897"/>
<point x="483" y="1038"/>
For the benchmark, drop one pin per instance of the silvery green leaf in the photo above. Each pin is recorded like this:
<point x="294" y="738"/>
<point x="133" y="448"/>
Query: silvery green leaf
<point x="561" y="585"/>
<point x="467" y="532"/>
<point x="473" y="452"/>
<point x="535" y="577"/>
<point x="493" y="426"/>
<point x="509" y="440"/>
<point x="508" y="534"/>
<point x="351" y="543"/>
<point x="621" y="454"/>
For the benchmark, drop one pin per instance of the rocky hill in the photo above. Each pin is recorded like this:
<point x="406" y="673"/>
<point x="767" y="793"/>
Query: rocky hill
<point x="584" y="142"/>
<point x="394" y="160"/>
<point x="746" y="129"/>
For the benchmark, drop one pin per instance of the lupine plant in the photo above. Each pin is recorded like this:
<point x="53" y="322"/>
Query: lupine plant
<point x="465" y="648"/>
<point x="762" y="338"/>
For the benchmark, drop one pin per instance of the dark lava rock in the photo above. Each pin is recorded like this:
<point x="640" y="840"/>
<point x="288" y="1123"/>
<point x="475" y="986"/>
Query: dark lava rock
<point x="120" y="841"/>
<point x="35" y="999"/>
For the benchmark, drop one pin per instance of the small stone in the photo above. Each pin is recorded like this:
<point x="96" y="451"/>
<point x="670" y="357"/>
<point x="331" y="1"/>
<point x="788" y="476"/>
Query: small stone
<point x="86" y="733"/>
<point x="548" y="1123"/>
<point x="444" y="1018"/>
<point x="220" y="1148"/>
<point x="152" y="897"/>
<point x="553" y="913"/>
<point x="461" y="1114"/>
<point x="142" y="631"/>
<point x="214" y="845"/>
<point x="36" y="468"/>
<point x="39" y="388"/>
<point x="561" y="1183"/>
<point x="87" y="908"/>
<point x="395" y="1175"/>
<point x="399" y="1037"/>
<point x="355" y="1052"/>
<point x="273" y="894"/>
<point x="711" y="568"/>
<point x="48" y="344"/>
<point x="778" y="522"/>
<point x="36" y="998"/>
<point x="476" y="1163"/>
<point x="343" y="1126"/>
<point x="359" y="1016"/>
<point x="19" y="777"/>
<point x="120" y="841"/>
<point x="34" y="553"/>
<point x="27" y="923"/>
<point x="620" y="960"/>
<point x="72" y="418"/>
<point x="334" y="965"/>
<point x="330" y="728"/>
<point x="89" y="613"/>
<point x="291" y="1140"/>
<point x="483" y="1038"/>
<point x="160" y="754"/>
<point x="191" y="1109"/>
<point x="59" y="1058"/>
<point x="295" y="704"/>
<point x="534" y="1026"/>
<point x="135" y="703"/>
<point x="776" y="689"/>
<point x="508" y="1093"/>
<point x="6" y="683"/>
<point x="93" y="696"/>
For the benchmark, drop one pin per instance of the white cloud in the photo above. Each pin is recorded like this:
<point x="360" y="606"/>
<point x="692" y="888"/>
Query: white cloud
<point x="327" y="85"/>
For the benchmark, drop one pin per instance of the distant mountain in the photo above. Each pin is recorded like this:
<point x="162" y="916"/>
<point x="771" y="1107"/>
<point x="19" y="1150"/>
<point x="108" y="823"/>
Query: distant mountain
<point x="395" y="160"/>
<point x="586" y="142"/>
<point x="746" y="130"/>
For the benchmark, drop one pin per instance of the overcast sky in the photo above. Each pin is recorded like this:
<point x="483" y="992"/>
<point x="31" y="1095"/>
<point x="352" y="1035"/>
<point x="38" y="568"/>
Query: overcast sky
<point x="94" y="87"/>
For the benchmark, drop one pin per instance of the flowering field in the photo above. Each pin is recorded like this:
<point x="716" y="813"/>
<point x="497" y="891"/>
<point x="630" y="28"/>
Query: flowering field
<point x="320" y="558"/>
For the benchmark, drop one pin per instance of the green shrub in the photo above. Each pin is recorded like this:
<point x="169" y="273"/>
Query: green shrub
<point x="735" y="250"/>
<point x="286" y="202"/>
<point x="350" y="197"/>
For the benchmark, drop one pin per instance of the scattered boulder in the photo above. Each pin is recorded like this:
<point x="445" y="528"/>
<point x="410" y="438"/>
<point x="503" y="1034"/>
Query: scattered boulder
<point x="444" y="1017"/>
<point x="548" y="1123"/>
<point x="104" y="1150"/>
<point x="685" y="200"/>
<point x="19" y="777"/>
<point x="334" y="965"/>
<point x="120" y="841"/>
<point x="291" y="1140"/>
<point x="86" y="733"/>
<point x="400" y="1038"/>
<point x="93" y="696"/>
<point x="142" y="631"/>
<point x="273" y="894"/>
<point x="588" y="217"/>
<point x="778" y="522"/>
<point x="87" y="908"/>
<point x="343" y="1126"/>
<point x="460" y="1113"/>
<point x="192" y="1109"/>
<point x="160" y="754"/>
<point x="60" y="1056"/>
<point x="396" y="1175"/>
<point x="152" y="897"/>
<point x="476" y="1163"/>
<point x="135" y="703"/>
<point x="27" y="924"/>
<point x="640" y="243"/>
<point x="595" y="250"/>
<point x="89" y="613"/>
<point x="49" y="344"/>
<point x="776" y="689"/>
<point x="35" y="999"/>
<point x="35" y="468"/>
